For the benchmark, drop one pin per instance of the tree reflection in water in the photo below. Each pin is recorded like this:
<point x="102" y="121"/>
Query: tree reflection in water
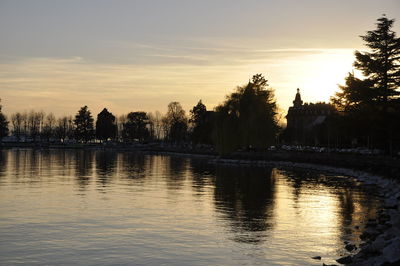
<point x="3" y="164"/>
<point x="83" y="167"/>
<point x="105" y="166"/>
<point x="245" y="196"/>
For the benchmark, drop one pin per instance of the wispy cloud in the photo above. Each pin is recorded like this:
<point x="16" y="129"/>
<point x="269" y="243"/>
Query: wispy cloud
<point x="62" y="85"/>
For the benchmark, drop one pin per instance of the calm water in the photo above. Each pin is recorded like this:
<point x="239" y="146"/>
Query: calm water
<point x="102" y="208"/>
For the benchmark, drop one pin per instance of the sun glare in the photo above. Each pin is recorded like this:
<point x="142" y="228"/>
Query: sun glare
<point x="322" y="73"/>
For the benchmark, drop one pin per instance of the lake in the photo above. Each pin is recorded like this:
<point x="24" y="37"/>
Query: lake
<point x="106" y="208"/>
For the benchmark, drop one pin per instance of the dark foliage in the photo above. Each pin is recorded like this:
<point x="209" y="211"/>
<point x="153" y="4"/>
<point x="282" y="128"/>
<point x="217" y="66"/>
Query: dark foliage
<point x="371" y="106"/>
<point x="176" y="123"/>
<point x="247" y="118"/>
<point x="202" y="124"/>
<point x="105" y="125"/>
<point x="135" y="128"/>
<point x="3" y="125"/>
<point x="84" y="125"/>
<point x="381" y="65"/>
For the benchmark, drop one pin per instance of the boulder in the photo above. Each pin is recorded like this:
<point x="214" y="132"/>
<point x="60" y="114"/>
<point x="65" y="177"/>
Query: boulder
<point x="345" y="260"/>
<point x="350" y="247"/>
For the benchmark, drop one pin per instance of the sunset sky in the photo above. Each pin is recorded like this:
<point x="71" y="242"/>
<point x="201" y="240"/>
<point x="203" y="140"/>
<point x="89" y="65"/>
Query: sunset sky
<point x="140" y="55"/>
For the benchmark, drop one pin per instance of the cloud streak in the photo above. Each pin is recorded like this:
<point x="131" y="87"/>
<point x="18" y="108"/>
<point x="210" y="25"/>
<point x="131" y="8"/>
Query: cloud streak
<point x="62" y="85"/>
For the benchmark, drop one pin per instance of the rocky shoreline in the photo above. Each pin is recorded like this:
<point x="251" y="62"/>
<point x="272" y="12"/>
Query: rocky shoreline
<point x="381" y="236"/>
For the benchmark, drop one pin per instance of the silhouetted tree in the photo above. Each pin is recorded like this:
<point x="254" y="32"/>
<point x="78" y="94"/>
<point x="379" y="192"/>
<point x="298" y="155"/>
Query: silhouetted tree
<point x="3" y="124"/>
<point x="135" y="127"/>
<point x="120" y="121"/>
<point x="25" y="125"/>
<point x="247" y="117"/>
<point x="156" y="125"/>
<point x="176" y="122"/>
<point x="35" y="122"/>
<point x="381" y="65"/>
<point x="65" y="128"/>
<point x="61" y="129"/>
<point x="201" y="124"/>
<point x="17" y="124"/>
<point x="165" y="127"/>
<point x="49" y="127"/>
<point x="106" y="127"/>
<point x="84" y="125"/>
<point x="371" y="106"/>
<point x="355" y="93"/>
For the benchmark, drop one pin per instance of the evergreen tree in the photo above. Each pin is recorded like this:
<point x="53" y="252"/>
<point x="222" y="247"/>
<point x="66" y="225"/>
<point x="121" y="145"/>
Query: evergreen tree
<point x="382" y="64"/>
<point x="106" y="127"/>
<point x="355" y="94"/>
<point x="201" y="123"/>
<point x="371" y="106"/>
<point x="84" y="125"/>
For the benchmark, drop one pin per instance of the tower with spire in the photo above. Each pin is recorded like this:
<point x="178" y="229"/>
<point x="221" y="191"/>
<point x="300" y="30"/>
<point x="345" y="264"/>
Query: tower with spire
<point x="303" y="119"/>
<point x="297" y="101"/>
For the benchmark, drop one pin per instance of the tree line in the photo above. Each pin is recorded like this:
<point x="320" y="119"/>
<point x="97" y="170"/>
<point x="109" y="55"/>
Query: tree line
<point x="135" y="126"/>
<point x="250" y="111"/>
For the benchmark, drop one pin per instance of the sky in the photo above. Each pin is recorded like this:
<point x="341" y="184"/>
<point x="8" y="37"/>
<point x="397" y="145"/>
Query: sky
<point x="57" y="56"/>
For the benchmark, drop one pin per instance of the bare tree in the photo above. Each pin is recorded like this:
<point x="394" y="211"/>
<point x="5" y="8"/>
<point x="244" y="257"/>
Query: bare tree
<point x="62" y="128"/>
<point x="165" y="126"/>
<point x="71" y="128"/>
<point x="17" y="125"/>
<point x="34" y="123"/>
<point x="49" y="126"/>
<point x="121" y="120"/>
<point x="177" y="122"/>
<point x="41" y="116"/>
<point x="157" y="121"/>
<point x="150" y="125"/>
<point x="25" y="125"/>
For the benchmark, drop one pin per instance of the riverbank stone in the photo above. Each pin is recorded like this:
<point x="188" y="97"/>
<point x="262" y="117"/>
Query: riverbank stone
<point x="350" y="247"/>
<point x="345" y="260"/>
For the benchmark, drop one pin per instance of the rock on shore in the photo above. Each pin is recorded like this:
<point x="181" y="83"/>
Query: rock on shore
<point x="382" y="236"/>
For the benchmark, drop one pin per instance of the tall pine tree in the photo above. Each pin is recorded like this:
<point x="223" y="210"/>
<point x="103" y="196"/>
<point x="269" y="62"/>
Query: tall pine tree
<point x="84" y="125"/>
<point x="371" y="106"/>
<point x="382" y="64"/>
<point x="106" y="127"/>
<point x="201" y="121"/>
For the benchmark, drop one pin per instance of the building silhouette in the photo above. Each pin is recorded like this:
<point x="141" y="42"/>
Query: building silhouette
<point x="304" y="121"/>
